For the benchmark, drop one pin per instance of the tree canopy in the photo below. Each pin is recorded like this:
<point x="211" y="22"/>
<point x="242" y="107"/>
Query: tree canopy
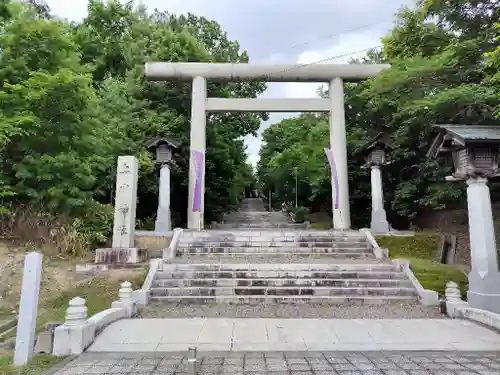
<point x="444" y="58"/>
<point x="73" y="98"/>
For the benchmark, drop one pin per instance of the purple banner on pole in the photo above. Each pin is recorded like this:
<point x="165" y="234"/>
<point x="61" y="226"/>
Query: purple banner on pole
<point x="335" y="180"/>
<point x="198" y="160"/>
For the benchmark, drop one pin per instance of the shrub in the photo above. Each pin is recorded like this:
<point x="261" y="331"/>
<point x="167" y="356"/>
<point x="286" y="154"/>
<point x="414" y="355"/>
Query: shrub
<point x="30" y="224"/>
<point x="300" y="214"/>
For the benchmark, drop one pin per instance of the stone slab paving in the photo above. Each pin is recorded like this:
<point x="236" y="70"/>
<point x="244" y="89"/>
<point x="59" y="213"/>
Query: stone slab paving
<point x="219" y="334"/>
<point x="290" y="363"/>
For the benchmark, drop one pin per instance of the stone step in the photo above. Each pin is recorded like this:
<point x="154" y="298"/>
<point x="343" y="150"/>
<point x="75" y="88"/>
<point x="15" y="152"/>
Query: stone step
<point x="270" y="257"/>
<point x="277" y="274"/>
<point x="258" y="226"/>
<point x="275" y="244"/>
<point x="273" y="233"/>
<point x="284" y="267"/>
<point x="354" y="300"/>
<point x="280" y="282"/>
<point x="272" y="250"/>
<point x="281" y="291"/>
<point x="267" y="239"/>
<point x="256" y="220"/>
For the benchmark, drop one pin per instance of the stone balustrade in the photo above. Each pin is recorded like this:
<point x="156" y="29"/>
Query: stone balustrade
<point x="458" y="308"/>
<point x="79" y="331"/>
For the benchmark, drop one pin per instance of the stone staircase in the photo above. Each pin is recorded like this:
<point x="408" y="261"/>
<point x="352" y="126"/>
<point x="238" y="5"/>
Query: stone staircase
<point x="252" y="214"/>
<point x="279" y="266"/>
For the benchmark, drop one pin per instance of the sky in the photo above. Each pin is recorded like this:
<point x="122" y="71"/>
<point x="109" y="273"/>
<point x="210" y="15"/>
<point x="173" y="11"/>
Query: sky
<point x="282" y="31"/>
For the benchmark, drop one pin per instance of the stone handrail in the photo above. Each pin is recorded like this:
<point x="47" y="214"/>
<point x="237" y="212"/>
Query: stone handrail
<point x="141" y="296"/>
<point x="427" y="297"/>
<point x="106" y="317"/>
<point x="170" y="251"/>
<point x="379" y="252"/>
<point x="79" y="332"/>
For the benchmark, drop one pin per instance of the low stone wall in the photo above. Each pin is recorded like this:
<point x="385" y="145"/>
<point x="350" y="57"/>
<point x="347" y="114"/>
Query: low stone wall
<point x="147" y="245"/>
<point x="456" y="222"/>
<point x="155" y="243"/>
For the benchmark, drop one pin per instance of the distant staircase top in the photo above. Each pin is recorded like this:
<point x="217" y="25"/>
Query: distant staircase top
<point x="252" y="214"/>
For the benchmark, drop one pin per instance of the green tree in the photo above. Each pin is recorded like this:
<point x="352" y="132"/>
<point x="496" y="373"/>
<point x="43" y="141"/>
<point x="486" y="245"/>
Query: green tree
<point x="437" y="76"/>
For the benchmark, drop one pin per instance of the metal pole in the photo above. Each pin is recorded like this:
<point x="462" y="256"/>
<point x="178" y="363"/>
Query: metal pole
<point x="296" y="189"/>
<point x="270" y="197"/>
<point x="191" y="363"/>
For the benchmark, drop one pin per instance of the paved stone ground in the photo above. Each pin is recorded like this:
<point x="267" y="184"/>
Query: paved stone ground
<point x="344" y="311"/>
<point x="222" y="334"/>
<point x="291" y="363"/>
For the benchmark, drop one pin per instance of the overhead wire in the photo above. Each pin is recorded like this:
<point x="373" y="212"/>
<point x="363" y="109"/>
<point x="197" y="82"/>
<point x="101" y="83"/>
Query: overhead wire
<point x="326" y="37"/>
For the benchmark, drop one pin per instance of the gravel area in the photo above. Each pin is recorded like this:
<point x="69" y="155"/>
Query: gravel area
<point x="344" y="311"/>
<point x="282" y="258"/>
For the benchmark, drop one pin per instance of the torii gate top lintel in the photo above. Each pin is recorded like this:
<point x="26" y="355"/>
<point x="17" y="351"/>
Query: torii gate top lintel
<point x="161" y="71"/>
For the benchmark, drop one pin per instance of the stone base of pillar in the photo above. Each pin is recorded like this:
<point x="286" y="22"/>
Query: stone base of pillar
<point x="195" y="220"/>
<point x="484" y="292"/>
<point x="379" y="222"/>
<point x="163" y="221"/>
<point x="120" y="255"/>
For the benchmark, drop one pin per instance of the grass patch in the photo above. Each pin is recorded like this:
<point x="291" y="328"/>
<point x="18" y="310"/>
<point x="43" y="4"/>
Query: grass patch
<point x="419" y="246"/>
<point x="434" y="275"/>
<point x="38" y="364"/>
<point x="322" y="225"/>
<point x="98" y="293"/>
<point x="5" y="313"/>
<point x="421" y="250"/>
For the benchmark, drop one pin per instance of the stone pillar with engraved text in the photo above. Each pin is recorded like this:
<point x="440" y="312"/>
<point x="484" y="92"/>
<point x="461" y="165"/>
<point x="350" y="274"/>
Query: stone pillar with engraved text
<point x="123" y="248"/>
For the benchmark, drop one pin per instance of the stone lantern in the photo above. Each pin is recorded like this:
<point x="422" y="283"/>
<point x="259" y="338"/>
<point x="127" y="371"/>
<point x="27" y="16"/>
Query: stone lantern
<point x="474" y="151"/>
<point x="163" y="147"/>
<point x="375" y="152"/>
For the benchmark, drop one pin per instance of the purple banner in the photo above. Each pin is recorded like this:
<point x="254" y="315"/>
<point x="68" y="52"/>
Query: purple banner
<point x="198" y="160"/>
<point x="335" y="180"/>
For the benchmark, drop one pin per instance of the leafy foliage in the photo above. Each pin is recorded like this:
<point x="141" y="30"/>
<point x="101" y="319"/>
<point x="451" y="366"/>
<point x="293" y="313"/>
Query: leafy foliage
<point x="444" y="58"/>
<point x="73" y="98"/>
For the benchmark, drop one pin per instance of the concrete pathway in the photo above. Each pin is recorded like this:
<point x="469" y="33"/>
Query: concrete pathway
<point x="291" y="363"/>
<point x="219" y="334"/>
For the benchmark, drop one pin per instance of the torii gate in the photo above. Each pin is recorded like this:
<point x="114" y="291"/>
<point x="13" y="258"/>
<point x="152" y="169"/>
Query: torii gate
<point x="335" y="74"/>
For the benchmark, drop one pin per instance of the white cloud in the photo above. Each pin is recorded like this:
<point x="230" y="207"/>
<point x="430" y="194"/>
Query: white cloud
<point x="347" y="43"/>
<point x="74" y="10"/>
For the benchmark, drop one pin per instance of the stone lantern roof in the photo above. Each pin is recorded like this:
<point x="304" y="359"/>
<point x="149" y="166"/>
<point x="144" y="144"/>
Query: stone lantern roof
<point x="474" y="149"/>
<point x="156" y="141"/>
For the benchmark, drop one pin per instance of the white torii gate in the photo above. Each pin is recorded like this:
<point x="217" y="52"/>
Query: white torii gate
<point x="335" y="74"/>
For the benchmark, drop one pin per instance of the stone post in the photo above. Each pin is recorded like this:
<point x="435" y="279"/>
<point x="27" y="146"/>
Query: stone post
<point x="163" y="217"/>
<point x="454" y="300"/>
<point x="338" y="145"/>
<point x="127" y="175"/>
<point x="125" y="300"/>
<point x="75" y="335"/>
<point x="452" y="292"/>
<point x="198" y="143"/>
<point x="76" y="314"/>
<point x="484" y="277"/>
<point x="379" y="222"/>
<point x="28" y="309"/>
